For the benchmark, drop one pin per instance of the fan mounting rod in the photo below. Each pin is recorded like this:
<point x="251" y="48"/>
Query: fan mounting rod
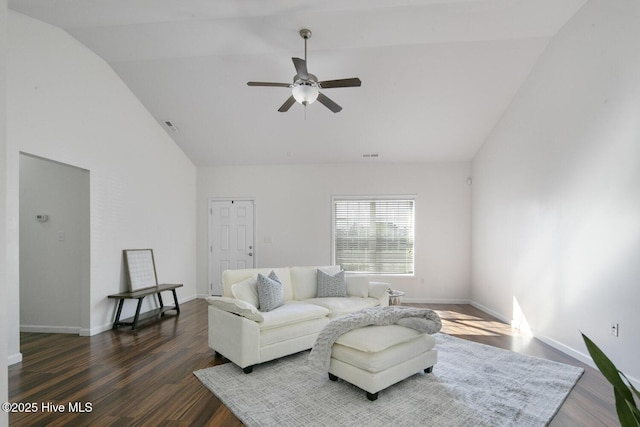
<point x="305" y="33"/>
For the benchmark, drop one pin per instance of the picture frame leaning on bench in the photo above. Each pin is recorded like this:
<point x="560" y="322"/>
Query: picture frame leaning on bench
<point x="143" y="281"/>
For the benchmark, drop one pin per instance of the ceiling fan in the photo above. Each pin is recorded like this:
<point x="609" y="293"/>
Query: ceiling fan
<point x="305" y="88"/>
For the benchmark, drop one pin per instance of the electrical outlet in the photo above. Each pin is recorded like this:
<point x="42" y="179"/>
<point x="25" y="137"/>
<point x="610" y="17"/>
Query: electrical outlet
<point x="614" y="329"/>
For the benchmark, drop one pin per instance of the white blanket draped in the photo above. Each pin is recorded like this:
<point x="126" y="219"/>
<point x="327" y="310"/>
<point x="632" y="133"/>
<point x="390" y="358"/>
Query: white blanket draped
<point x="421" y="319"/>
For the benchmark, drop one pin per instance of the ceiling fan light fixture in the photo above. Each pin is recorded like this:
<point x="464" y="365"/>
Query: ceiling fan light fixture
<point x="305" y="92"/>
<point x="306" y="86"/>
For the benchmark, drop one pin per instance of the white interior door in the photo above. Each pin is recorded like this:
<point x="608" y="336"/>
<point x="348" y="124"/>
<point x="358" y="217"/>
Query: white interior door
<point x="231" y="239"/>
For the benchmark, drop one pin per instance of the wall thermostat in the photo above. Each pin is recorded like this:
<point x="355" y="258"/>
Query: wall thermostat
<point x="42" y="218"/>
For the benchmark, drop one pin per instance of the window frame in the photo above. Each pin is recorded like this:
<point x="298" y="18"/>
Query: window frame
<point x="338" y="198"/>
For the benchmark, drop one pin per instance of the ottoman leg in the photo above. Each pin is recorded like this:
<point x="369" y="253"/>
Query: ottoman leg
<point x="332" y="377"/>
<point x="428" y="370"/>
<point x="372" y="396"/>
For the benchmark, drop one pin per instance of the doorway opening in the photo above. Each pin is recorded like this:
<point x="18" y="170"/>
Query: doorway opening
<point x="54" y="246"/>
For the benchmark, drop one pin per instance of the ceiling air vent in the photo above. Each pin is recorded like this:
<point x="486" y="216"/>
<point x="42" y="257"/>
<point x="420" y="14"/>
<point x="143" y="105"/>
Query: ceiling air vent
<point x="169" y="126"/>
<point x="371" y="155"/>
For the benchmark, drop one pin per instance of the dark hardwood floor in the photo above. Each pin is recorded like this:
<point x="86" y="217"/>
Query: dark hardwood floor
<point x="144" y="377"/>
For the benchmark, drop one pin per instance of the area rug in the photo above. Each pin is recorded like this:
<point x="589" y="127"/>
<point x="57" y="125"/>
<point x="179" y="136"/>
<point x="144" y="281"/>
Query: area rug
<point x="471" y="385"/>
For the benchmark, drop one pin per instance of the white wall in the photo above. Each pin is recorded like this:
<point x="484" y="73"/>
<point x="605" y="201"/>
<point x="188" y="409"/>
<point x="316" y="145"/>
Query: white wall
<point x="556" y="196"/>
<point x="54" y="268"/>
<point x="293" y="212"/>
<point x="4" y="382"/>
<point x="66" y="104"/>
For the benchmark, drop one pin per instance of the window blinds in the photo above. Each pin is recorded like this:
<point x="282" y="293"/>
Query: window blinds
<point x="374" y="236"/>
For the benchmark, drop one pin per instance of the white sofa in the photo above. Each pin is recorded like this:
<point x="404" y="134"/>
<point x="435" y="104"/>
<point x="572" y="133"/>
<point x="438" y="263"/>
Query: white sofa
<point x="247" y="336"/>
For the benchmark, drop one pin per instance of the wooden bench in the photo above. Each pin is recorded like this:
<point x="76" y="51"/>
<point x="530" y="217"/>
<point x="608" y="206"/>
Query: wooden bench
<point x="139" y="295"/>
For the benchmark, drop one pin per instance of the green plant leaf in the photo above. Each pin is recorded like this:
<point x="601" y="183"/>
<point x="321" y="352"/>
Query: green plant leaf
<point x="625" y="412"/>
<point x="634" y="409"/>
<point x="637" y="393"/>
<point x="608" y="369"/>
<point x="636" y="413"/>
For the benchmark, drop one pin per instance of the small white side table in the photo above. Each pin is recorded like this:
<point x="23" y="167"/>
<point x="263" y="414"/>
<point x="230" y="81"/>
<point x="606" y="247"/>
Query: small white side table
<point x="395" y="297"/>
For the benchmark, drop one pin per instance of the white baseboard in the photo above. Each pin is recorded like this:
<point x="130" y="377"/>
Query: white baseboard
<point x="108" y="326"/>
<point x="569" y="351"/>
<point x="435" y="301"/>
<point x="84" y="332"/>
<point x="187" y="299"/>
<point x="491" y="312"/>
<point x="582" y="357"/>
<point x="14" y="358"/>
<point x="203" y="296"/>
<point x="44" y="329"/>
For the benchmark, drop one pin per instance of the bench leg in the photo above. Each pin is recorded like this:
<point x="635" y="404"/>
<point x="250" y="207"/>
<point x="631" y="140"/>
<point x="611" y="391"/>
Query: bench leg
<point x="372" y="396"/>
<point x="332" y="377"/>
<point x="175" y="301"/>
<point x="428" y="370"/>
<point x="135" y="319"/>
<point x="160" y="302"/>
<point x="117" y="321"/>
<point x="248" y="369"/>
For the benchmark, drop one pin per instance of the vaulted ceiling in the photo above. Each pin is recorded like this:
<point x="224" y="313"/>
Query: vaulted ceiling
<point x="436" y="74"/>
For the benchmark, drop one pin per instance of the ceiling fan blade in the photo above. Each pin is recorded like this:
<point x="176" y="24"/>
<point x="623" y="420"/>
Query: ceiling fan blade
<point x="287" y="104"/>
<point x="352" y="82"/>
<point x="269" y="84"/>
<point x="301" y="68"/>
<point x="324" y="100"/>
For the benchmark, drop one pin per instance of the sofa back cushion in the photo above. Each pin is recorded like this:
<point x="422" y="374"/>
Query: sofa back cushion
<point x="357" y="286"/>
<point x="305" y="280"/>
<point x="231" y="277"/>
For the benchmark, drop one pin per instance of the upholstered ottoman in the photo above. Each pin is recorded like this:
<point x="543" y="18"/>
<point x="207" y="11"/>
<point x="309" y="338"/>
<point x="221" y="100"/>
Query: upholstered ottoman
<point x="375" y="357"/>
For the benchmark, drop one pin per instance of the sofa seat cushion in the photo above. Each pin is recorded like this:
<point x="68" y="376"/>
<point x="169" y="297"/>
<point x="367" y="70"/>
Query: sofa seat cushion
<point x="291" y="312"/>
<point x="339" y="306"/>
<point x="376" y="348"/>
<point x="292" y="331"/>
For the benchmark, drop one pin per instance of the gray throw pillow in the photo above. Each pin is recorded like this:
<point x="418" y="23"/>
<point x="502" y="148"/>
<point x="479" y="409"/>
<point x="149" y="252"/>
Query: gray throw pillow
<point x="270" y="293"/>
<point x="331" y="286"/>
<point x="274" y="276"/>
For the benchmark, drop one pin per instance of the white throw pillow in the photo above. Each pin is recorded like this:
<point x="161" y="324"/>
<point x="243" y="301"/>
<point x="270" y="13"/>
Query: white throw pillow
<point x="247" y="290"/>
<point x="236" y="306"/>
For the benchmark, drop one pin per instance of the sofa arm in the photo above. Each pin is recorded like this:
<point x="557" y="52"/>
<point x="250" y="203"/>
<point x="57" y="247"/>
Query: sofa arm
<point x="236" y="306"/>
<point x="235" y="337"/>
<point x="379" y="290"/>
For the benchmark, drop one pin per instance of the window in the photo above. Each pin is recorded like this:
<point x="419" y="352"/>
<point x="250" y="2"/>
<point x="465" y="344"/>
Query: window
<point x="374" y="235"/>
